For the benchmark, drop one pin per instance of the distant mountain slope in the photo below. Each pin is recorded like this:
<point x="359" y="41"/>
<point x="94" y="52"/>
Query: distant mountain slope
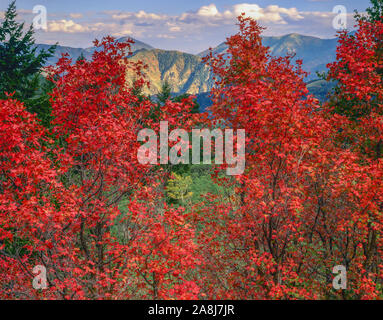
<point x="186" y="73"/>
<point x="137" y="45"/>
<point x="320" y="89"/>
<point x="316" y="53"/>
<point x="74" y="53"/>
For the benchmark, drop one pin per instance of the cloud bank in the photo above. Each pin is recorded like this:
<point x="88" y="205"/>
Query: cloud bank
<point x="190" y="31"/>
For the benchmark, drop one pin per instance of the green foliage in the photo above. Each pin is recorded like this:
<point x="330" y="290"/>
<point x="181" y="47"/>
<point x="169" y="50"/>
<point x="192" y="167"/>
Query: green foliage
<point x="81" y="57"/>
<point x="374" y="13"/>
<point x="165" y="93"/>
<point x="21" y="65"/>
<point x="178" y="188"/>
<point x="40" y="104"/>
<point x="191" y="183"/>
<point x="203" y="183"/>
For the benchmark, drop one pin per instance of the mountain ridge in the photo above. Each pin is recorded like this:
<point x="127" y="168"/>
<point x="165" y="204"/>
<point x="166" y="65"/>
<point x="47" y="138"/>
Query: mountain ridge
<point x="315" y="52"/>
<point x="187" y="74"/>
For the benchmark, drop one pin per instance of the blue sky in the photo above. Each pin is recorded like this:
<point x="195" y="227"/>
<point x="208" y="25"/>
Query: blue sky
<point x="190" y="26"/>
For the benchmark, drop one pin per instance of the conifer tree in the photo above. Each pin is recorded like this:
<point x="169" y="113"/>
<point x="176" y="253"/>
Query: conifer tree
<point x="165" y="93"/>
<point x="21" y="64"/>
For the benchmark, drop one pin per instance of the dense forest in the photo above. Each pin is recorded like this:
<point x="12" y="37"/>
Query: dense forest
<point x="76" y="201"/>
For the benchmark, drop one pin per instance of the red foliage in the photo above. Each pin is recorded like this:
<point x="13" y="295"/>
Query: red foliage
<point x="77" y="201"/>
<point x="306" y="203"/>
<point x="61" y="208"/>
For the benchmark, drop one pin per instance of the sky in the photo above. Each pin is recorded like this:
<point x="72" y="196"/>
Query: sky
<point x="185" y="25"/>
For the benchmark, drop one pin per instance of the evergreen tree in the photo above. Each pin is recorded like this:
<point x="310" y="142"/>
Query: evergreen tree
<point x="81" y="57"/>
<point x="21" y="65"/>
<point x="165" y="93"/>
<point x="374" y="13"/>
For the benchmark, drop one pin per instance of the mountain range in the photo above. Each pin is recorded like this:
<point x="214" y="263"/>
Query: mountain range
<point x="316" y="53"/>
<point x="187" y="74"/>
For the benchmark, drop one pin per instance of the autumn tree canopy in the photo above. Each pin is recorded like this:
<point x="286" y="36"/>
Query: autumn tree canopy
<point x="75" y="199"/>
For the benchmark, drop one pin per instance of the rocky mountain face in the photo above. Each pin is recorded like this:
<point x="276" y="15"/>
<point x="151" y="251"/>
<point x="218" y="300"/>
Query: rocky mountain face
<point x="186" y="73"/>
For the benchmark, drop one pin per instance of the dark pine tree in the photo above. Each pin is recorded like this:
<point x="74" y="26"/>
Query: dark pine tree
<point x="165" y="93"/>
<point x="21" y="65"/>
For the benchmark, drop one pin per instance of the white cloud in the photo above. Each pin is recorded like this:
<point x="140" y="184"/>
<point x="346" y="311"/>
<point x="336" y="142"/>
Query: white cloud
<point x="68" y="26"/>
<point x="191" y="31"/>
<point x="76" y="15"/>
<point x="121" y="30"/>
<point x="143" y="15"/>
<point x="138" y="15"/>
<point x="272" y="13"/>
<point x="252" y="10"/>
<point x="165" y="36"/>
<point x="173" y="27"/>
<point x="208" y="11"/>
<point x="189" y="22"/>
